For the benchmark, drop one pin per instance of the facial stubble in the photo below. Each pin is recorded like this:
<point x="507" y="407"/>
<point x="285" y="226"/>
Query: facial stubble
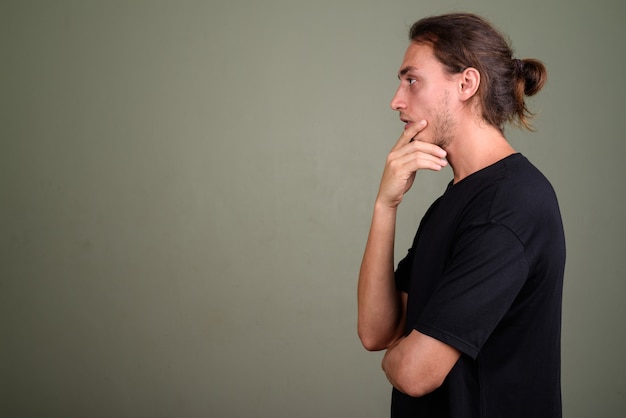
<point x="443" y="123"/>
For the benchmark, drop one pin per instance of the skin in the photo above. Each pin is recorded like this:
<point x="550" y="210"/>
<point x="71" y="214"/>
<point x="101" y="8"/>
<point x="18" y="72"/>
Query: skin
<point x="442" y="126"/>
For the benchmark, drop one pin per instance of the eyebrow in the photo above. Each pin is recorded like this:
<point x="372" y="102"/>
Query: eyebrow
<point x="406" y="70"/>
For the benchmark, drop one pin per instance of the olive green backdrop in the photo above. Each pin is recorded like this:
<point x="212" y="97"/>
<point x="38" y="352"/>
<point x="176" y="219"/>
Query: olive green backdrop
<point x="186" y="188"/>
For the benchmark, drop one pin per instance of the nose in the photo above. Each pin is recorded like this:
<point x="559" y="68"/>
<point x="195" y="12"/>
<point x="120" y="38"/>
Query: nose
<point x="397" y="102"/>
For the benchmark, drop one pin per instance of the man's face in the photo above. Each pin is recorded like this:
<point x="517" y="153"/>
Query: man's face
<point x="426" y="91"/>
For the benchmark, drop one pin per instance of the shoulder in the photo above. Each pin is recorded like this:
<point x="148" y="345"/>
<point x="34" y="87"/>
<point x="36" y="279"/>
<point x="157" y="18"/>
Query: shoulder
<point x="525" y="202"/>
<point x="523" y="189"/>
<point x="512" y="192"/>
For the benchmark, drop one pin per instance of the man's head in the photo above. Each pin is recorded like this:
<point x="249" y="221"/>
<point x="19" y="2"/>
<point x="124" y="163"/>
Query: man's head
<point x="429" y="92"/>
<point x="466" y="45"/>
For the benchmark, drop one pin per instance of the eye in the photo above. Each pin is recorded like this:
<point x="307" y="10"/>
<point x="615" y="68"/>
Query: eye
<point x="411" y="80"/>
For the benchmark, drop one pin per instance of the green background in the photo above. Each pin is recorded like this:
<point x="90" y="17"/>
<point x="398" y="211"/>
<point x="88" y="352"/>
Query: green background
<point x="186" y="189"/>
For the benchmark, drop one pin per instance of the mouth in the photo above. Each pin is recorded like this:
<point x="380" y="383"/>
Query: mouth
<point x="407" y="122"/>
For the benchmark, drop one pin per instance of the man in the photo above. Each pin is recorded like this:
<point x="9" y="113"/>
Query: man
<point x="470" y="320"/>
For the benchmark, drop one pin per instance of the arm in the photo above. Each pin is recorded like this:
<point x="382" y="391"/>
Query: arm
<point x="381" y="311"/>
<point x="418" y="364"/>
<point x="380" y="305"/>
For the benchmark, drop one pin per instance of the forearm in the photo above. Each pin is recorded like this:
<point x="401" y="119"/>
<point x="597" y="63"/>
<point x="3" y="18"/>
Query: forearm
<point x="381" y="308"/>
<point x="418" y="364"/>
<point x="379" y="303"/>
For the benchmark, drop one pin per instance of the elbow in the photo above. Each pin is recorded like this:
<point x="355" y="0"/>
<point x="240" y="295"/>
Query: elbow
<point x="372" y="342"/>
<point x="372" y="345"/>
<point x="369" y="343"/>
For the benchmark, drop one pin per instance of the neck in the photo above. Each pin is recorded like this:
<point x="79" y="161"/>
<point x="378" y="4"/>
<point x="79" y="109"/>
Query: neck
<point x="479" y="146"/>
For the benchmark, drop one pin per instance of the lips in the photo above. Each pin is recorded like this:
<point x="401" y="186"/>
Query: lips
<point x="407" y="123"/>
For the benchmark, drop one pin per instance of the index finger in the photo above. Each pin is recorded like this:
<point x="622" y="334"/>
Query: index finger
<point x="409" y="133"/>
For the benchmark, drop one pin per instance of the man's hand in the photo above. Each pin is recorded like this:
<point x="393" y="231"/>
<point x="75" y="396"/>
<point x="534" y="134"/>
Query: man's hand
<point x="405" y="159"/>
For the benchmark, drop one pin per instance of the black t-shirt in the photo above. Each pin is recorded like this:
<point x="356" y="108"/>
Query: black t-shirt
<point x="485" y="275"/>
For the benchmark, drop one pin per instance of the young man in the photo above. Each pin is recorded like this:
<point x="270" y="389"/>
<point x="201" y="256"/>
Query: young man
<point x="470" y="320"/>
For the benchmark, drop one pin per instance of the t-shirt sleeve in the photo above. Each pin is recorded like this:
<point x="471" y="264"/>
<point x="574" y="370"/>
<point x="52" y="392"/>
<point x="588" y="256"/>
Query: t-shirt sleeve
<point x="487" y="270"/>
<point x="405" y="266"/>
<point x="403" y="272"/>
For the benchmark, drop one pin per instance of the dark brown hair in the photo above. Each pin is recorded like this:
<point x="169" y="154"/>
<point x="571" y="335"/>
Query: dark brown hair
<point x="462" y="40"/>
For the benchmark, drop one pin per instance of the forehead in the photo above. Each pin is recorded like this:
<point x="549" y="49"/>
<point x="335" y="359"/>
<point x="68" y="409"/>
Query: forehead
<point x="419" y="57"/>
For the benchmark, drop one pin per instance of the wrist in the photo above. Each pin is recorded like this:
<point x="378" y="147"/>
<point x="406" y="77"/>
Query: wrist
<point x="381" y="205"/>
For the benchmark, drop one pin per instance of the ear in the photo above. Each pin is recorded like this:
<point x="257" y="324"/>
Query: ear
<point x="469" y="82"/>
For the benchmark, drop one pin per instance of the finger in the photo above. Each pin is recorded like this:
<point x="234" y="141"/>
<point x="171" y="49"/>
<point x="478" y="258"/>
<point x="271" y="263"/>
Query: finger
<point x="418" y="147"/>
<point x="426" y="148"/>
<point x="410" y="132"/>
<point x="414" y="161"/>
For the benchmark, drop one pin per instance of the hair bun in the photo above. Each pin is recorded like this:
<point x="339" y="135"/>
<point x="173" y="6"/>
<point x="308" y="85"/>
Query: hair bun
<point x="534" y="74"/>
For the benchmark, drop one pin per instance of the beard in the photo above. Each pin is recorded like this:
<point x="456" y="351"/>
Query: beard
<point x="443" y="123"/>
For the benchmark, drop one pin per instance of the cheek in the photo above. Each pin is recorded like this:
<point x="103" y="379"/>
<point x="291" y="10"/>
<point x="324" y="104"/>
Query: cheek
<point x="422" y="101"/>
<point x="418" y="104"/>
